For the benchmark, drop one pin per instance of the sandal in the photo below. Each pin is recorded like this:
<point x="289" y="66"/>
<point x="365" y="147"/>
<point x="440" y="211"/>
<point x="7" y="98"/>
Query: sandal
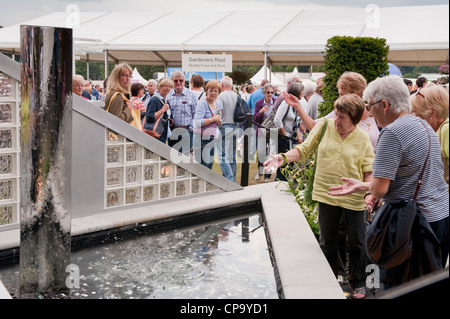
<point x="359" y="293"/>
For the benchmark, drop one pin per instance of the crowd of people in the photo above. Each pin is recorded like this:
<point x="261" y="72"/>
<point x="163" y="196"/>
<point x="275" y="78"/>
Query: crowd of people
<point x="369" y="150"/>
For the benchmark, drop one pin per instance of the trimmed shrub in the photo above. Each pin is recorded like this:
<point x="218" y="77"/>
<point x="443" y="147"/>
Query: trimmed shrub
<point x="365" y="55"/>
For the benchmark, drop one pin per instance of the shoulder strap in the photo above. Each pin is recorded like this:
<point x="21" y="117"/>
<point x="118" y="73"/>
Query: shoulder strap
<point x="113" y="97"/>
<point x="419" y="184"/>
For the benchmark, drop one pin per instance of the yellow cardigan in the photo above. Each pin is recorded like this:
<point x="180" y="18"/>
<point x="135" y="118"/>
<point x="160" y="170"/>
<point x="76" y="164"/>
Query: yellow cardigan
<point x="351" y="157"/>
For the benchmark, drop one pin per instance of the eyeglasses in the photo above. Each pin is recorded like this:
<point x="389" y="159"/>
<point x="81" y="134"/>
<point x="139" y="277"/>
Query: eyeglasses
<point x="270" y="92"/>
<point x="369" y="106"/>
<point x="178" y="81"/>
<point x="418" y="93"/>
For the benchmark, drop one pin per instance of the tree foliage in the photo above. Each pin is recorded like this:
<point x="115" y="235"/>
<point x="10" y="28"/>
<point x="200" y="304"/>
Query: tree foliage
<point x="365" y="55"/>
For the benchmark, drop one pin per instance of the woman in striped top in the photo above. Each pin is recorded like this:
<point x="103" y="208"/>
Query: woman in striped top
<point x="400" y="156"/>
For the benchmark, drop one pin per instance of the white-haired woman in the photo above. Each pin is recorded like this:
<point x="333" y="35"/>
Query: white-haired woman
<point x="401" y="153"/>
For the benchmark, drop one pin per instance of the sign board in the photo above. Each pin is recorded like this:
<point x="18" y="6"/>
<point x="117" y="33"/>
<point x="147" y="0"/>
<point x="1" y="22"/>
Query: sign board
<point x="207" y="62"/>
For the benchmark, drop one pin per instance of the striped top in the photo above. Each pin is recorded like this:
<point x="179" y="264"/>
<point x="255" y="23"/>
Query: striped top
<point x="401" y="152"/>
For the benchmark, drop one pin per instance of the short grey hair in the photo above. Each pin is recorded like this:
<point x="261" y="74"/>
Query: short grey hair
<point x="310" y="88"/>
<point x="227" y="81"/>
<point x="392" y="89"/>
<point x="291" y="79"/>
<point x="177" y="73"/>
<point x="267" y="86"/>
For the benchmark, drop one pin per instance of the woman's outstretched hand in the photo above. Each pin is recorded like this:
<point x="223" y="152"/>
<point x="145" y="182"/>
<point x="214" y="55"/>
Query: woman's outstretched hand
<point x="351" y="186"/>
<point x="273" y="163"/>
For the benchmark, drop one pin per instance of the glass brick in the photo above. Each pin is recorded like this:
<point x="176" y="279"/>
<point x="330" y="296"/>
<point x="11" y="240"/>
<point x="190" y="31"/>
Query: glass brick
<point x="112" y="136"/>
<point x="197" y="186"/>
<point x="6" y="189"/>
<point x="132" y="153"/>
<point x="114" y="198"/>
<point x="211" y="187"/>
<point x="6" y="214"/>
<point x="183" y="188"/>
<point x="132" y="195"/>
<point x="182" y="173"/>
<point x="150" y="193"/>
<point x="6" y="86"/>
<point x="6" y="113"/>
<point x="6" y="139"/>
<point x="166" y="190"/>
<point x="114" y="154"/>
<point x="114" y="176"/>
<point x="150" y="156"/>
<point x="166" y="170"/>
<point x="132" y="174"/>
<point x="150" y="173"/>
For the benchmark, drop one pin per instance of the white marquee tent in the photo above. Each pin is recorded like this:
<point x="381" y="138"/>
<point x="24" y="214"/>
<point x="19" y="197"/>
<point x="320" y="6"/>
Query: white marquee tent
<point x="265" y="73"/>
<point x="416" y="35"/>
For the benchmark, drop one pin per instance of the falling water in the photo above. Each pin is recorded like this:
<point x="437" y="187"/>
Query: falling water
<point x="46" y="119"/>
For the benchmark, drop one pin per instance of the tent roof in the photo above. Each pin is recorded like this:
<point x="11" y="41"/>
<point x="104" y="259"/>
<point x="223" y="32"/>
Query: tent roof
<point x="259" y="76"/>
<point x="287" y="37"/>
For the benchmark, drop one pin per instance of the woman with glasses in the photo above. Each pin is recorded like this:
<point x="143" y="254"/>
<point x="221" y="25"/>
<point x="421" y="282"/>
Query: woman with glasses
<point x="263" y="108"/>
<point x="78" y="85"/>
<point x="206" y="123"/>
<point x="344" y="148"/>
<point x="117" y="99"/>
<point x="403" y="147"/>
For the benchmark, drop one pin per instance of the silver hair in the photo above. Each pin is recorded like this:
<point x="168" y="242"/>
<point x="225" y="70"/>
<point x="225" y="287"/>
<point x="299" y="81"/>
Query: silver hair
<point x="310" y="88"/>
<point x="227" y="81"/>
<point x="266" y="86"/>
<point x="291" y="78"/>
<point x="392" y="89"/>
<point x="177" y="73"/>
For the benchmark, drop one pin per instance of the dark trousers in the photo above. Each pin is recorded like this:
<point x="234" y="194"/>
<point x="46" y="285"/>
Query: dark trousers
<point x="329" y="220"/>
<point x="283" y="147"/>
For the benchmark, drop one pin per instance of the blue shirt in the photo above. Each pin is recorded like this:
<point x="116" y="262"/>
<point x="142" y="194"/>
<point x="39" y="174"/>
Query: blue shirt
<point x="182" y="107"/>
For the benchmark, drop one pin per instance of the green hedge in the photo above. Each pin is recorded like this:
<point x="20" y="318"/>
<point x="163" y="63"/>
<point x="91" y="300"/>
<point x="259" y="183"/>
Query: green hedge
<point x="365" y="55"/>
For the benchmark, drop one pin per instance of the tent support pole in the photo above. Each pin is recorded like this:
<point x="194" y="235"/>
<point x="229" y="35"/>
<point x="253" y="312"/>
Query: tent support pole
<point x="106" y="64"/>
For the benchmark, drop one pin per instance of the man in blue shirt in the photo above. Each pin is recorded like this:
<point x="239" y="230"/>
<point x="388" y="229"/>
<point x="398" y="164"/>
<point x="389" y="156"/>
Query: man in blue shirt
<point x="183" y="103"/>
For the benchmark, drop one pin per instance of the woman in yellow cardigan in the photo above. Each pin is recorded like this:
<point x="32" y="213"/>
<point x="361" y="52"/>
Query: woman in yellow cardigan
<point x="344" y="149"/>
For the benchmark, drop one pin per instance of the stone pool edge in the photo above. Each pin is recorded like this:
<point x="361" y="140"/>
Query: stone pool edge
<point x="302" y="268"/>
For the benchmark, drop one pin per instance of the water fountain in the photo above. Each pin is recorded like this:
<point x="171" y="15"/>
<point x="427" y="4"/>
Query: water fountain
<point x="46" y="115"/>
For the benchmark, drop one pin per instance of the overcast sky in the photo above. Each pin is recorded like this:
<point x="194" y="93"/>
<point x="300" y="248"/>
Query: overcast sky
<point x="16" y="12"/>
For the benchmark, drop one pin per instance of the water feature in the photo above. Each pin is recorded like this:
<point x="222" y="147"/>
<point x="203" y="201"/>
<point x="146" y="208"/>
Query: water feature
<point x="46" y="144"/>
<point x="227" y="258"/>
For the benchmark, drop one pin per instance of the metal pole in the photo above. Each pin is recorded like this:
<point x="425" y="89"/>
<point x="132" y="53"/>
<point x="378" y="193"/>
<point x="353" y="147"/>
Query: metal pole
<point x="46" y="119"/>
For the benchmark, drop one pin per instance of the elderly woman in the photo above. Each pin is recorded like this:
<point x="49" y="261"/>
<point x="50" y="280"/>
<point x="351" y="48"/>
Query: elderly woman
<point x="158" y="107"/>
<point x="431" y="104"/>
<point x="344" y="148"/>
<point x="401" y="152"/>
<point x="78" y="85"/>
<point x="118" y="93"/>
<point x="206" y="122"/>
<point x="263" y="107"/>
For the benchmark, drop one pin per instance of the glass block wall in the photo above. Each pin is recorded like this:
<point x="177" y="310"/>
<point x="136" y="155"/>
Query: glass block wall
<point x="136" y="175"/>
<point x="9" y="149"/>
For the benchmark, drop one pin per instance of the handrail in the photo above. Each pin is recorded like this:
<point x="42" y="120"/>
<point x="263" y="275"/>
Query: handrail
<point x="9" y="67"/>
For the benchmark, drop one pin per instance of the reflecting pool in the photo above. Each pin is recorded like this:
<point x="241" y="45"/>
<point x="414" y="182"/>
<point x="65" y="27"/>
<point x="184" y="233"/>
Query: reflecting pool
<point x="223" y="259"/>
